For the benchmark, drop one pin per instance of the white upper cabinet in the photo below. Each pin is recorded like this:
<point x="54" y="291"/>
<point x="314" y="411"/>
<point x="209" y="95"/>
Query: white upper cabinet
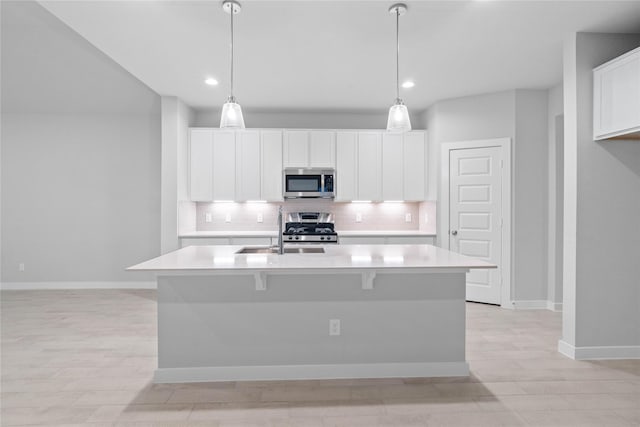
<point x="378" y="165"/>
<point x="369" y="166"/>
<point x="201" y="165"/>
<point x="392" y="167"/>
<point x="235" y="165"/>
<point x="346" y="166"/>
<point x="415" y="166"/>
<point x="224" y="165"/>
<point x="271" y="157"/>
<point x="248" y="165"/>
<point x="295" y="151"/>
<point x="303" y="148"/>
<point x="322" y="149"/>
<point x="616" y="98"/>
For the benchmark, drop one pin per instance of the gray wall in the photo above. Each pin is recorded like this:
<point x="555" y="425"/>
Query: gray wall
<point x="522" y="116"/>
<point x="176" y="119"/>
<point x="556" y="195"/>
<point x="602" y="201"/>
<point x="529" y="196"/>
<point x="80" y="156"/>
<point x="309" y="119"/>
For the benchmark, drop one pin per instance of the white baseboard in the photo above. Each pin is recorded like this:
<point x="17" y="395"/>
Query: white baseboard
<point x="601" y="352"/>
<point x="530" y="305"/>
<point x="23" y="286"/>
<point x="299" y="372"/>
<point x="554" y="306"/>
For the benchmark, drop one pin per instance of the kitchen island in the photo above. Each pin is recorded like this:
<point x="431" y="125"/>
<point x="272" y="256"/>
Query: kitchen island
<point x="350" y="311"/>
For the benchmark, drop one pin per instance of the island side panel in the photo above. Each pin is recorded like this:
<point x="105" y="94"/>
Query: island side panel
<point x="219" y="327"/>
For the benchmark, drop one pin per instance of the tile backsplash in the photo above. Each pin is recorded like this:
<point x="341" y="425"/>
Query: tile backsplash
<point x="372" y="216"/>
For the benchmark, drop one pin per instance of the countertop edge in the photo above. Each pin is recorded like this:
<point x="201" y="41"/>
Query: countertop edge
<point x="267" y="233"/>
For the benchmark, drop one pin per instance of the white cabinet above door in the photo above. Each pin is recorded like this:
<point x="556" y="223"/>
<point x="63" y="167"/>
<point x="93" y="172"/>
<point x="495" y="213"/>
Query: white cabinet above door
<point x="616" y="98"/>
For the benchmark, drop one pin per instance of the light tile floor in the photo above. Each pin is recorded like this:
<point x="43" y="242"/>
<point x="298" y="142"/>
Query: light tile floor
<point x="87" y="358"/>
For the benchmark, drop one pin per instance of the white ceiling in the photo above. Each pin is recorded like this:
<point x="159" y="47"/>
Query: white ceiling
<point x="328" y="55"/>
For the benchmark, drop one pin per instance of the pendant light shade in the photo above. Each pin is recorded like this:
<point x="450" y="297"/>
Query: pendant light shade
<point x="231" y="117"/>
<point x="398" y="120"/>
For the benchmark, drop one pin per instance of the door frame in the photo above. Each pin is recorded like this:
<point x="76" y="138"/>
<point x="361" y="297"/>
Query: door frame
<point x="443" y="223"/>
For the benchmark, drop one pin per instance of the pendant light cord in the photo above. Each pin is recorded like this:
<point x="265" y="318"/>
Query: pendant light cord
<point x="397" y="53"/>
<point x="232" y="10"/>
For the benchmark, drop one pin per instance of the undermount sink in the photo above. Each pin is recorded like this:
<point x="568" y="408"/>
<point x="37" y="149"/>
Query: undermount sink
<point x="273" y="250"/>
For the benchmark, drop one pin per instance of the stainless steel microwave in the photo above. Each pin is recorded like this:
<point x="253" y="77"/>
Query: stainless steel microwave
<point x="309" y="183"/>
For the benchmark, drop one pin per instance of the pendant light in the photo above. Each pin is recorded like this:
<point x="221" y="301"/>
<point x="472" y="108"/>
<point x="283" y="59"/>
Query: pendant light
<point x="231" y="117"/>
<point x="398" y="114"/>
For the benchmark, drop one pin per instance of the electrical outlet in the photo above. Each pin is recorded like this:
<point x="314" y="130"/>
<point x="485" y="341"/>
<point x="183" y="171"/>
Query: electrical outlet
<point x="407" y="217"/>
<point x="426" y="218"/>
<point x="260" y="218"/>
<point x="21" y="266"/>
<point x="227" y="217"/>
<point x="334" y="327"/>
<point x="207" y="217"/>
<point x="358" y="217"/>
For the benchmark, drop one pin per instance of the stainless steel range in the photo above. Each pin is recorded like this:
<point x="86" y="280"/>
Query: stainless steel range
<point x="310" y="227"/>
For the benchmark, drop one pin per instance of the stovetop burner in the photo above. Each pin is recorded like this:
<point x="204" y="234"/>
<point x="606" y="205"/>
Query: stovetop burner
<point x="299" y="228"/>
<point x="309" y="227"/>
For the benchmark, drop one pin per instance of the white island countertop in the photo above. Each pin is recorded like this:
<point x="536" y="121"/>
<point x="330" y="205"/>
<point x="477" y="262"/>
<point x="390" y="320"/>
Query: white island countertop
<point x="335" y="257"/>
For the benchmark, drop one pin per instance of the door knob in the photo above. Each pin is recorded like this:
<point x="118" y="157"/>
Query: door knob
<point x="454" y="232"/>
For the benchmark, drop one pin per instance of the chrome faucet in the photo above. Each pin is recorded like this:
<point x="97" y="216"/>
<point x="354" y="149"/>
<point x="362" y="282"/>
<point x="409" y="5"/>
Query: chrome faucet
<point x="280" y="239"/>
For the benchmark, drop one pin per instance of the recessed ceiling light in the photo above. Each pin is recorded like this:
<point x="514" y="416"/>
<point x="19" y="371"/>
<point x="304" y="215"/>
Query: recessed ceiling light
<point x="211" y="81"/>
<point x="408" y="84"/>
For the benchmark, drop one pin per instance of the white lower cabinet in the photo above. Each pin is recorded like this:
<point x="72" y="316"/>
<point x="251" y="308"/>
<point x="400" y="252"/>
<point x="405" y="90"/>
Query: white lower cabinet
<point x="357" y="240"/>
<point x="410" y="240"/>
<point x="387" y="240"/>
<point x="202" y="241"/>
<point x="243" y="241"/>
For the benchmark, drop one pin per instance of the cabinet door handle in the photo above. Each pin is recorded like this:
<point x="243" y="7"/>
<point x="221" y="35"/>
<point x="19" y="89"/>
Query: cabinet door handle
<point x="454" y="232"/>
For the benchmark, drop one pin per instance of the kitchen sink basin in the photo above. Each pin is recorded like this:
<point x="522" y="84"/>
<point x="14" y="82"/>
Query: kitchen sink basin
<point x="272" y="250"/>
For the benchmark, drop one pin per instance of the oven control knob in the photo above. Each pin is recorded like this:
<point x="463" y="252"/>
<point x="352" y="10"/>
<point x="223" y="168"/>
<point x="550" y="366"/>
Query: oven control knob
<point x="322" y="238"/>
<point x="297" y="238"/>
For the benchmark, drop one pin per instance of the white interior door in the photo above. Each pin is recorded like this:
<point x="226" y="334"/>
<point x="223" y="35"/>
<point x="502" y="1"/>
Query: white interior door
<point x="475" y="220"/>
